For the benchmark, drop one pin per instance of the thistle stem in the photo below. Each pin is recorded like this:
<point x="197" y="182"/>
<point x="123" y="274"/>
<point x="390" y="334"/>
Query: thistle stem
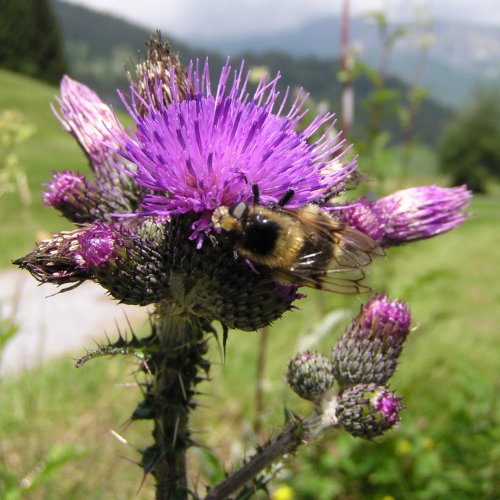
<point x="286" y="442"/>
<point x="175" y="368"/>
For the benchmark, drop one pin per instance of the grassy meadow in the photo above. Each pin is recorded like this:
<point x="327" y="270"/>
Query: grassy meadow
<point x="55" y="421"/>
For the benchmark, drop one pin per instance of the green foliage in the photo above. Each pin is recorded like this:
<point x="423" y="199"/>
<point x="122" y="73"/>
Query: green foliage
<point x="13" y="132"/>
<point x="15" y="487"/>
<point x="30" y="42"/>
<point x="470" y="148"/>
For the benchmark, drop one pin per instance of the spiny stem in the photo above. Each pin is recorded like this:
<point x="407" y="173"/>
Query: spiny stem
<point x="176" y="372"/>
<point x="296" y="432"/>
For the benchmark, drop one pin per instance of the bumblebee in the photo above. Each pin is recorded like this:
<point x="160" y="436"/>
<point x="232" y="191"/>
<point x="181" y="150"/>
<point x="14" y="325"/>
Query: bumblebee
<point x="302" y="246"/>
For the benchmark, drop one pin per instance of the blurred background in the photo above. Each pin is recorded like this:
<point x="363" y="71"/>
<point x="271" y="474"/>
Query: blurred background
<point x="416" y="88"/>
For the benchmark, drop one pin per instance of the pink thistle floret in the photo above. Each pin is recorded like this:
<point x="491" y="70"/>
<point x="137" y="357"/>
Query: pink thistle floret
<point x="388" y="317"/>
<point x="388" y="405"/>
<point x="209" y="149"/>
<point x="91" y="122"/>
<point x="96" y="246"/>
<point x="63" y="188"/>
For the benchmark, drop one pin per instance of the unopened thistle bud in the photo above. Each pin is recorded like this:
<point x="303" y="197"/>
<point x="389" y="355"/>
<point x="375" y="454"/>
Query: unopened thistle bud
<point x="310" y="375"/>
<point x="368" y="351"/>
<point x="367" y="410"/>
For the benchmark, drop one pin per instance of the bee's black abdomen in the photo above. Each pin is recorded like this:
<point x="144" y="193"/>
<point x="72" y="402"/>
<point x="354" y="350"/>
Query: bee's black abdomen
<point x="261" y="235"/>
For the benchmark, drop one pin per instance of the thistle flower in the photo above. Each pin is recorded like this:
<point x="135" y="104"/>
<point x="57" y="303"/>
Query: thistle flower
<point x="367" y="410"/>
<point x="410" y="214"/>
<point x="68" y="192"/>
<point x="310" y="375"/>
<point x="80" y="200"/>
<point x="90" y="121"/>
<point x="207" y="150"/>
<point x="369" y="349"/>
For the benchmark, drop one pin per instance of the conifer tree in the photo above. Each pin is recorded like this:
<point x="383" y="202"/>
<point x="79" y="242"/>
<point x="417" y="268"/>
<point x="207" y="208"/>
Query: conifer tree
<point x="30" y="40"/>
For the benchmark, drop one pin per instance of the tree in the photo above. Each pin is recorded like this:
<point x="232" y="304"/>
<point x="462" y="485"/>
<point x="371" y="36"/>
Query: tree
<point x="470" y="148"/>
<point x="30" y="41"/>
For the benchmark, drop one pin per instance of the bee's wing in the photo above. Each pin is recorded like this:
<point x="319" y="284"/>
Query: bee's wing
<point x="345" y="281"/>
<point x="343" y="273"/>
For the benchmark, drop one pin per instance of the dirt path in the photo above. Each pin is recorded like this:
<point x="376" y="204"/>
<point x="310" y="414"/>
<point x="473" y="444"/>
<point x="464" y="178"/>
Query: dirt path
<point x="65" y="323"/>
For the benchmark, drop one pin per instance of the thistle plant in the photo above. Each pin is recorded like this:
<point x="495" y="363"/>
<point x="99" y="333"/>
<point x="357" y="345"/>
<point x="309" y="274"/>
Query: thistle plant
<point x="145" y="233"/>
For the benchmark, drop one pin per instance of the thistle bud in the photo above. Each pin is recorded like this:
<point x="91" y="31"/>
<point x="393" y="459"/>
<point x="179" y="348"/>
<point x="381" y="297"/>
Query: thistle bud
<point x="368" y="351"/>
<point x="126" y="260"/>
<point x="90" y="121"/>
<point x="367" y="410"/>
<point x="310" y="375"/>
<point x="410" y="214"/>
<point x="68" y="193"/>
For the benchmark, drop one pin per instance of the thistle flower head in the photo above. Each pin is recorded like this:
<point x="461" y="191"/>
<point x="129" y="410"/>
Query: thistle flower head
<point x="367" y="410"/>
<point x="410" y="214"/>
<point x="90" y="121"/>
<point x="207" y="150"/>
<point x="369" y="349"/>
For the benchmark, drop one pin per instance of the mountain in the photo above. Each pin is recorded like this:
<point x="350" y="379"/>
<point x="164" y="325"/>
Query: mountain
<point x="101" y="47"/>
<point x="460" y="57"/>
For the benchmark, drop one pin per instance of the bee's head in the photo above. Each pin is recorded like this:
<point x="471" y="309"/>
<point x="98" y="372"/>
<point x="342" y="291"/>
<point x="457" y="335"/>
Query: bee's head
<point x="230" y="219"/>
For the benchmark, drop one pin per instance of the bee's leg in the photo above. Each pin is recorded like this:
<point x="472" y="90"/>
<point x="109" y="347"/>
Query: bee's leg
<point x="286" y="198"/>
<point x="256" y="194"/>
<point x="326" y="197"/>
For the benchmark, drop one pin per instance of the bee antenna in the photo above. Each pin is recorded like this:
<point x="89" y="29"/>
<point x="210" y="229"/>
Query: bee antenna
<point x="256" y="194"/>
<point x="286" y="198"/>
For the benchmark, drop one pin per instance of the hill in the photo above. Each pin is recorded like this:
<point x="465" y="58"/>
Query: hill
<point x="459" y="58"/>
<point x="101" y="47"/>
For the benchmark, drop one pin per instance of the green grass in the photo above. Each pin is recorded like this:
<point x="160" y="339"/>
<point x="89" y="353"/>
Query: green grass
<point x="48" y="149"/>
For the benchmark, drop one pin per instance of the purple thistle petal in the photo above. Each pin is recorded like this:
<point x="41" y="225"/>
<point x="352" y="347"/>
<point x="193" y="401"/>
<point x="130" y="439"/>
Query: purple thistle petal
<point x="410" y="214"/>
<point x="383" y="317"/>
<point x="422" y="212"/>
<point x="388" y="405"/>
<point x="97" y="245"/>
<point x="63" y="188"/>
<point x="91" y="122"/>
<point x="367" y="217"/>
<point x="207" y="150"/>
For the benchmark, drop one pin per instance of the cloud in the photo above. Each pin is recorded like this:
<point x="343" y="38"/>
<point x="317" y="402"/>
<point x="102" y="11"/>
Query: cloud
<point x="184" y="18"/>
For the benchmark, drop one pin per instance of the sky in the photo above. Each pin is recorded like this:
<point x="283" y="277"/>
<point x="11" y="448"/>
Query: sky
<point x="215" y="18"/>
